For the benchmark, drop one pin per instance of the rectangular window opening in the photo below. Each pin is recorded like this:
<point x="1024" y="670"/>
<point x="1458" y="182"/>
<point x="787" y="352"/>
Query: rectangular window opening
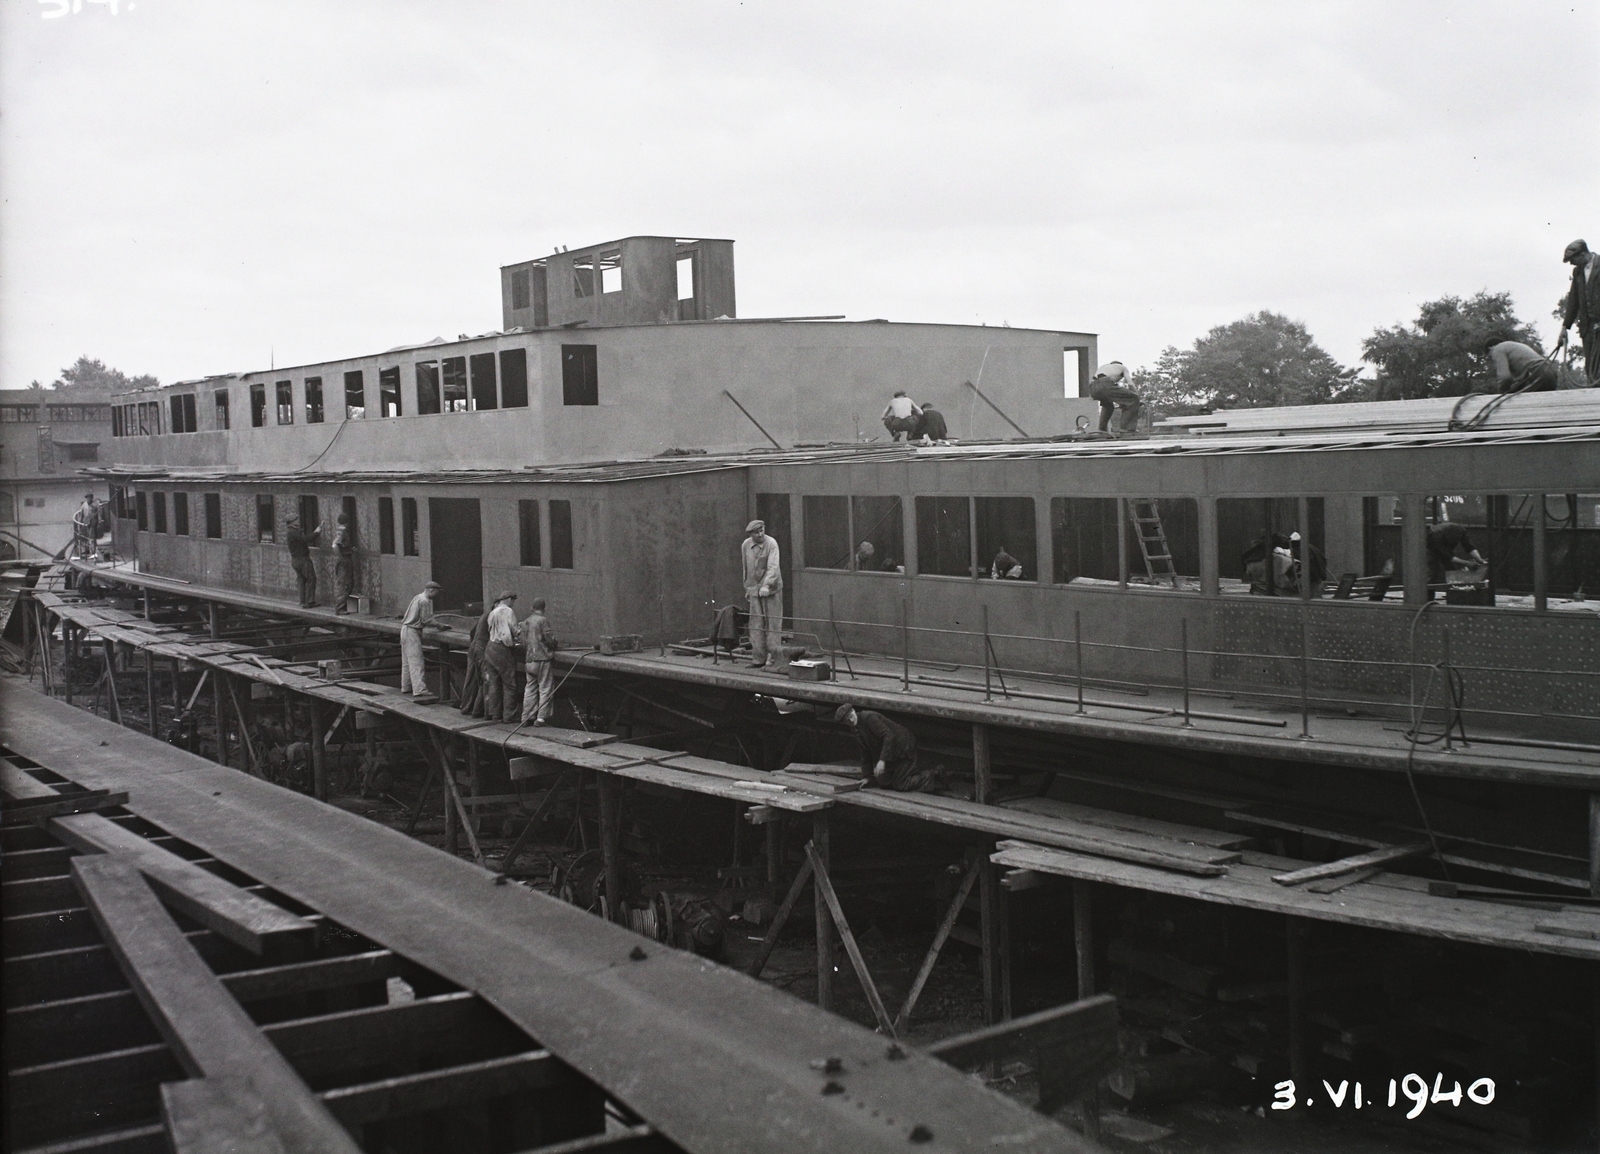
<point x="944" y="537"/>
<point x="221" y="398"/>
<point x="183" y="413"/>
<point x="455" y="384"/>
<point x="83" y="452"/>
<point x="1007" y="538"/>
<point x="386" y="525"/>
<point x="355" y="395"/>
<point x="213" y="515"/>
<point x="879" y="528"/>
<point x="180" y="514"/>
<point x="427" y="387"/>
<point x="513" y="378"/>
<point x="408" y="526"/>
<point x="266" y="518"/>
<point x="484" y="392"/>
<point x="583" y="276"/>
<point x="611" y="271"/>
<point x="686" y="278"/>
<point x="141" y="505"/>
<point x="827" y="532"/>
<point x="310" y="515"/>
<point x="313" y="400"/>
<point x="284" y="392"/>
<point x="528" y="532"/>
<point x="580" y="375"/>
<point x="159" y="508"/>
<point x="389" y="392"/>
<point x="1072" y="371"/>
<point x="258" y="405"/>
<point x="1259" y="546"/>
<point x="347" y="506"/>
<point x="519" y="288"/>
<point x="561" y="534"/>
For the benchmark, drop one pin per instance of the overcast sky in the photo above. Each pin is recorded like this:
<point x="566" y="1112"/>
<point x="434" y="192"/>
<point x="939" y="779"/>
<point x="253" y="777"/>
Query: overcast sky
<point x="202" y="186"/>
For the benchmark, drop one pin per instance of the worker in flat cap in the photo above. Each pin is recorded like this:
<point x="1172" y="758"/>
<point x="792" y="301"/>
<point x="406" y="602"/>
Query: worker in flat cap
<point x="499" y="665"/>
<point x="888" y="751"/>
<point x="418" y="616"/>
<point x="539" y="698"/>
<point x="763" y="586"/>
<point x="1582" y="307"/>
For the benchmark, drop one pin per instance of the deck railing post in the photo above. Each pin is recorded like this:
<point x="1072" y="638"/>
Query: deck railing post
<point x="1077" y="644"/>
<point x="1185" y="637"/>
<point x="1305" y="673"/>
<point x="1449" y="689"/>
<point x="905" y="648"/>
<point x="988" y="694"/>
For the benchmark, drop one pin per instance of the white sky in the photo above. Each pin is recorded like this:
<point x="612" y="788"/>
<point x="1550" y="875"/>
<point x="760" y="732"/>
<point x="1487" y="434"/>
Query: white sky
<point x="193" y="187"/>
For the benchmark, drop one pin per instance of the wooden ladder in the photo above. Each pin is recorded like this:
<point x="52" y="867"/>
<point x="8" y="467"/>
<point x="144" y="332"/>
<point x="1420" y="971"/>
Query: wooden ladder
<point x="1146" y="520"/>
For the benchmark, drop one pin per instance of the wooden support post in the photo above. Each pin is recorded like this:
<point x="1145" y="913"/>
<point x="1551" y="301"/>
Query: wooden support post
<point x="177" y="685"/>
<point x="539" y="811"/>
<point x="150" y="692"/>
<point x="254" y="764"/>
<point x="66" y="658"/>
<point x="147" y="603"/>
<point x="475" y="785"/>
<point x="945" y="926"/>
<point x="819" y="843"/>
<point x="217" y="712"/>
<point x="319" y="753"/>
<point x="111" y="680"/>
<point x="609" y="790"/>
<point x="772" y="856"/>
<point x="1298" y="931"/>
<point x="1541" y="557"/>
<point x="1594" y="844"/>
<point x="1083" y="945"/>
<point x="778" y="922"/>
<point x="1122" y="542"/>
<point x="982" y="775"/>
<point x="824" y="886"/>
<point x="989" y="900"/>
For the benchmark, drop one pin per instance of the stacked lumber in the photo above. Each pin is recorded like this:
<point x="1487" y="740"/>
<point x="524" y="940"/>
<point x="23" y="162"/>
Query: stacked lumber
<point x="1530" y="410"/>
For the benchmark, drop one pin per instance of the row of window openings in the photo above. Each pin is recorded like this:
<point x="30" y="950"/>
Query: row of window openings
<point x="150" y="511"/>
<point x="29" y="414"/>
<point x="1259" y="540"/>
<point x="588" y="270"/>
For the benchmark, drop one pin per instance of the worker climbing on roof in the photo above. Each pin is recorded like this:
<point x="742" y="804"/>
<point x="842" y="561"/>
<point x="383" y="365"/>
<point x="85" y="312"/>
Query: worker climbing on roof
<point x="931" y="427"/>
<point x="344" y="564"/>
<point x="419" y="616"/>
<point x="1520" y="368"/>
<point x="539" y="698"/>
<point x="1446" y="542"/>
<point x="763" y="585"/>
<point x="1005" y="567"/>
<point x="1111" y="388"/>
<point x="1582" y="306"/>
<point x="888" y="751"/>
<point x="472" y="686"/>
<point x="300" y="542"/>
<point x="499" y="666"/>
<point x="901" y="415"/>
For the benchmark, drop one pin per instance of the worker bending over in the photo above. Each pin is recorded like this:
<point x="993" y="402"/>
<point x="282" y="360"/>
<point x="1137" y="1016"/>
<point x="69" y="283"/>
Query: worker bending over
<point x="1445" y="543"/>
<point x="931" y="427"/>
<point x="888" y="751"/>
<point x="539" y="698"/>
<point x="1520" y="368"/>
<point x="499" y="667"/>
<point x="901" y="416"/>
<point x="763" y="586"/>
<point x="418" y="616"/>
<point x="1111" y="388"/>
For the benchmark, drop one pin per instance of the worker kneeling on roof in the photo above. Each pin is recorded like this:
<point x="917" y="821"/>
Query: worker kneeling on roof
<point x="888" y="751"/>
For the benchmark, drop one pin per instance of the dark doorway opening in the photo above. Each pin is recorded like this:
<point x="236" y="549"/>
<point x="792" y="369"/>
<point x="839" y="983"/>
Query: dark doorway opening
<point x="455" y="544"/>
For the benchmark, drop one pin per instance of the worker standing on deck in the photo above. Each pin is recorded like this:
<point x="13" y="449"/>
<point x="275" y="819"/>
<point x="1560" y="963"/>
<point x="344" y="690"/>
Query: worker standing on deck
<point x="901" y="415"/>
<point x="419" y="616"/>
<point x="763" y="585"/>
<point x="499" y="667"/>
<point x="539" y="698"/>
<point x="1445" y="542"/>
<point x="86" y="526"/>
<point x="1520" y="368"/>
<point x="300" y="542"/>
<point x="344" y="565"/>
<point x="1111" y="388"/>
<point x="888" y="751"/>
<point x="472" y="688"/>
<point x="1582" y="306"/>
<point x="931" y="427"/>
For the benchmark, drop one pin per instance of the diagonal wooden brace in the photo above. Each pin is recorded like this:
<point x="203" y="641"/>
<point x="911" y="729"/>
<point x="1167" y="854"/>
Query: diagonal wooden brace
<point x="825" y="888"/>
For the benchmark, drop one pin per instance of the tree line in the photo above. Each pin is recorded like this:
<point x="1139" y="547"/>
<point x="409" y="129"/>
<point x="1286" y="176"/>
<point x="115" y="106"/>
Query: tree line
<point x="92" y="375"/>
<point x="1268" y="359"/>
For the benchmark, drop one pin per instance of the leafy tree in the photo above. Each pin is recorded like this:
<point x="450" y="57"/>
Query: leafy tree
<point x="1264" y="359"/>
<point x="90" y="375"/>
<point x="1441" y="353"/>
